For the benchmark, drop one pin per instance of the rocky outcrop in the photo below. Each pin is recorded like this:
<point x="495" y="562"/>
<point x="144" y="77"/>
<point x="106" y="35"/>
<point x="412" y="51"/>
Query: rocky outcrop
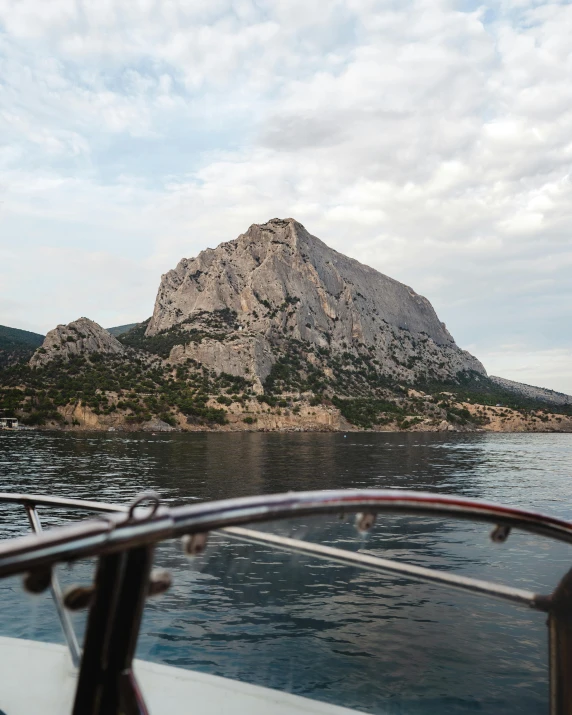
<point x="79" y="337"/>
<point x="249" y="356"/>
<point x="550" y="397"/>
<point x="278" y="281"/>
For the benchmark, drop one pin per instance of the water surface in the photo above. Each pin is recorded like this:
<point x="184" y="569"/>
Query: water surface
<point x="378" y="644"/>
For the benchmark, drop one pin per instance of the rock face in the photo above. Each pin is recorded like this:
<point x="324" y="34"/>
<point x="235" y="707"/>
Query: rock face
<point x="534" y="393"/>
<point x="277" y="281"/>
<point x="246" y="356"/>
<point x="77" y="338"/>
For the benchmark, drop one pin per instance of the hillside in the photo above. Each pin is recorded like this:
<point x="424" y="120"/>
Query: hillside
<point x="272" y="331"/>
<point x="120" y="329"/>
<point x="17" y="344"/>
<point x="550" y="397"/>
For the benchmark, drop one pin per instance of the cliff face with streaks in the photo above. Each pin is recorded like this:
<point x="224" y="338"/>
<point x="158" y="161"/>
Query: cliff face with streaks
<point x="236" y="306"/>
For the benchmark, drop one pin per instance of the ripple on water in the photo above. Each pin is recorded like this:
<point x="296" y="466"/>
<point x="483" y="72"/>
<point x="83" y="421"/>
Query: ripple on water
<point x="376" y="643"/>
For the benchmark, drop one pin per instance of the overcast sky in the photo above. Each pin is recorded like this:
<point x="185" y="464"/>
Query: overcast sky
<point x="430" y="139"/>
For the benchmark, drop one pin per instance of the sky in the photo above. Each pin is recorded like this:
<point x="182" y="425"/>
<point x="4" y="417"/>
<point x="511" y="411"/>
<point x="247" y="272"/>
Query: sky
<point x="430" y="139"/>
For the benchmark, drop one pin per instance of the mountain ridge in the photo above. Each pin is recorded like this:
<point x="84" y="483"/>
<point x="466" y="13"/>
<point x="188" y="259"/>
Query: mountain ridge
<point x="544" y="394"/>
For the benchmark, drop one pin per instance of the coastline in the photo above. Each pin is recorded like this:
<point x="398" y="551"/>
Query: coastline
<point x="318" y="418"/>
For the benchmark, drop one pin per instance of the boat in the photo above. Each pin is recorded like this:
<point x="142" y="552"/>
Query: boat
<point x="103" y="677"/>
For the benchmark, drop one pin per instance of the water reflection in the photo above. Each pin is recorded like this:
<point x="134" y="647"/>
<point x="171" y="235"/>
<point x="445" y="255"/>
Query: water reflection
<point x="379" y="644"/>
<point x="345" y="636"/>
<point x="524" y="469"/>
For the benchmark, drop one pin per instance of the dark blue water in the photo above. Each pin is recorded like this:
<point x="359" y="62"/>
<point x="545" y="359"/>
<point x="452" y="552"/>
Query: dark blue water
<point x="377" y="644"/>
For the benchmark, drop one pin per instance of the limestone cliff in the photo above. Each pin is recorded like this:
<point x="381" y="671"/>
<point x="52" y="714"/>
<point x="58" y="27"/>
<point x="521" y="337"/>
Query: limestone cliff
<point x="79" y="337"/>
<point x="234" y="306"/>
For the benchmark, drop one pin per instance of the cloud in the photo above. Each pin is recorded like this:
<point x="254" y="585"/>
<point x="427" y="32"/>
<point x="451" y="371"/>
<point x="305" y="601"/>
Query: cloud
<point x="430" y="141"/>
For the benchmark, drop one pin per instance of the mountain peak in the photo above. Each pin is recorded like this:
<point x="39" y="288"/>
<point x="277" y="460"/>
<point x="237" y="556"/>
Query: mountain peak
<point x="79" y="337"/>
<point x="280" y="282"/>
<point x="286" y="230"/>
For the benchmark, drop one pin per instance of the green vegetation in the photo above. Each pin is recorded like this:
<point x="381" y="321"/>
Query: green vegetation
<point x="107" y="384"/>
<point x="215" y="325"/>
<point x="120" y="329"/>
<point x="10" y="336"/>
<point x="161" y="344"/>
<point x="366" y="413"/>
<point x="17" y="345"/>
<point x="302" y="366"/>
<point x="141" y="386"/>
<point x="473" y="387"/>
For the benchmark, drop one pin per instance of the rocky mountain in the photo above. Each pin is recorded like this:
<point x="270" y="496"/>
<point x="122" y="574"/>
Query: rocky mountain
<point x="80" y="337"/>
<point x="239" y="307"/>
<point x="272" y="331"/>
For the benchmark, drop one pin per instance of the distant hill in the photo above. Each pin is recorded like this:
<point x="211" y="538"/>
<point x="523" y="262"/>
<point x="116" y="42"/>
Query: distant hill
<point x="120" y="329"/>
<point x="17" y="344"/>
<point x="551" y="397"/>
<point x="14" y="336"/>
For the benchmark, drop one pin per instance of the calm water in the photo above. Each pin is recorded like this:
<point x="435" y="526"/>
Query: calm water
<point x="378" y="644"/>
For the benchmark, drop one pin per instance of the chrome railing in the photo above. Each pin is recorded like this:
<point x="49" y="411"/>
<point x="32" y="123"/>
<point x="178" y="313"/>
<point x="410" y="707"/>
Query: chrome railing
<point x="30" y="502"/>
<point x="123" y="542"/>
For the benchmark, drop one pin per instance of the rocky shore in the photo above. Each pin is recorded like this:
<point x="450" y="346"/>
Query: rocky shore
<point x="318" y="418"/>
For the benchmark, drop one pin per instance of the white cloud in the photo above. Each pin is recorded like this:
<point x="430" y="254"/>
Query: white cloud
<point x="430" y="142"/>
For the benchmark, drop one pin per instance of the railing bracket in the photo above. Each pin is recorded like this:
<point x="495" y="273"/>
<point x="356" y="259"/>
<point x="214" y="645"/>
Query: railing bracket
<point x="76" y="598"/>
<point x="500" y="533"/>
<point x="364" y="522"/>
<point x="195" y="544"/>
<point x="38" y="581"/>
<point x="159" y="582"/>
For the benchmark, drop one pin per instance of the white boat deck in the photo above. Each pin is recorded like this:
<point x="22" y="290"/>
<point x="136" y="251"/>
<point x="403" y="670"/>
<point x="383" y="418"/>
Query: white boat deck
<point x="39" y="678"/>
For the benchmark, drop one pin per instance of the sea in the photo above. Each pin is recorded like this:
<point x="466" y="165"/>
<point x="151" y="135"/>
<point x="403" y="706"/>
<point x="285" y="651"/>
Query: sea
<point x="377" y="644"/>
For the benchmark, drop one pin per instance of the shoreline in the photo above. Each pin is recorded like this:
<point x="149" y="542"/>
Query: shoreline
<point x="231" y="429"/>
<point x="424" y="416"/>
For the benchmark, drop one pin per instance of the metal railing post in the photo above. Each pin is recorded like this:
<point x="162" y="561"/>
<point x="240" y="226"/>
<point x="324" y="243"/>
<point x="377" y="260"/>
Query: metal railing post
<point x="106" y="684"/>
<point x="560" y="647"/>
<point x="57" y="597"/>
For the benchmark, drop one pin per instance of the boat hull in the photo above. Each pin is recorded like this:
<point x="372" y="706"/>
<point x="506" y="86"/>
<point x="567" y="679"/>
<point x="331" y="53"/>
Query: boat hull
<point x="39" y="677"/>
